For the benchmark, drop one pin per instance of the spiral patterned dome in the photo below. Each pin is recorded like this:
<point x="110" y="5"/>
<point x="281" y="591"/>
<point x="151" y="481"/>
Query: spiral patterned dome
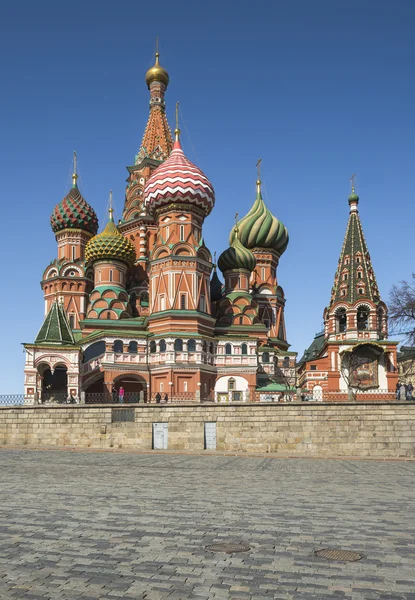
<point x="179" y="180"/>
<point x="74" y="213"/>
<point x="236" y="257"/>
<point x="110" y="245"/>
<point x="260" y="229"/>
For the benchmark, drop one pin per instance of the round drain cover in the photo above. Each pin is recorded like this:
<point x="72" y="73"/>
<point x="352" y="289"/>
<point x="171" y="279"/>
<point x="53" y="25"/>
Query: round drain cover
<point x="228" y="548"/>
<point x="336" y="554"/>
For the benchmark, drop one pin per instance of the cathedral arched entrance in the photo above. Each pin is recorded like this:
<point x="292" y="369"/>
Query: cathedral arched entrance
<point x="54" y="386"/>
<point x="134" y="386"/>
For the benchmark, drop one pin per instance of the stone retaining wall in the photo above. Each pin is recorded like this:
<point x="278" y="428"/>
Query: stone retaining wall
<point x="378" y="429"/>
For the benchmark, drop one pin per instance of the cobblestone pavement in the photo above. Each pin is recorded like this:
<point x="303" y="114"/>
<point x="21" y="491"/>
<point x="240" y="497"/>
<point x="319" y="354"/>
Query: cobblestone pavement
<point x="94" y="525"/>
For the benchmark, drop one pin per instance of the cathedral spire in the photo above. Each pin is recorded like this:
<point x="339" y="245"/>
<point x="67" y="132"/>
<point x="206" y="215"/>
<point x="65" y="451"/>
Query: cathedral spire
<point x="354" y="279"/>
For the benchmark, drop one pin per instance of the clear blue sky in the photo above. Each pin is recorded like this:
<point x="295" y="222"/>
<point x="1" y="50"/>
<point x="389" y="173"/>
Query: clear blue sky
<point x="319" y="90"/>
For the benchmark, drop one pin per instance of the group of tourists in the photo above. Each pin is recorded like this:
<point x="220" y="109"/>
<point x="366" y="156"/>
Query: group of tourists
<point x="404" y="391"/>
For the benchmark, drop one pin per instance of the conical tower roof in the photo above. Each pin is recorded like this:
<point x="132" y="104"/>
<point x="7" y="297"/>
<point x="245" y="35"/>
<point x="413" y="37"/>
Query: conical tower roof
<point x="215" y="286"/>
<point x="355" y="278"/>
<point x="55" y="329"/>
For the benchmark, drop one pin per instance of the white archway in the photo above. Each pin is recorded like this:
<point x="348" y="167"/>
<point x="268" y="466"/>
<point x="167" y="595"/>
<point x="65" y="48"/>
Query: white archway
<point x="231" y="388"/>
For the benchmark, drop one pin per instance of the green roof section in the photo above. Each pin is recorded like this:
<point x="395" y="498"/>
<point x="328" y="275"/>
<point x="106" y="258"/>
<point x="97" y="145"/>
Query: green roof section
<point x="55" y="329"/>
<point x="355" y="278"/>
<point x="314" y="349"/>
<point x="275" y="387"/>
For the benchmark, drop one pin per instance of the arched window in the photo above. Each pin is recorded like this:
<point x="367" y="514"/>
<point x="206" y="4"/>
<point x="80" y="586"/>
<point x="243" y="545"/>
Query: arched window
<point x="359" y="274"/>
<point x="211" y="349"/>
<point x="231" y="383"/>
<point x="182" y="233"/>
<point x="162" y="345"/>
<point x="362" y="318"/>
<point x="111" y="274"/>
<point x="178" y="345"/>
<point x="228" y="349"/>
<point x="381" y="316"/>
<point x="341" y="320"/>
<point x="72" y="321"/>
<point x="286" y="361"/>
<point x="118" y="346"/>
<point x="185" y="386"/>
<point x="108" y="315"/>
<point x="244" y="349"/>
<point x="191" y="345"/>
<point x="241" y="320"/>
<point x="345" y="276"/>
<point x="73" y="252"/>
<point x="133" y="347"/>
<point x="265" y="357"/>
<point x="153" y="347"/>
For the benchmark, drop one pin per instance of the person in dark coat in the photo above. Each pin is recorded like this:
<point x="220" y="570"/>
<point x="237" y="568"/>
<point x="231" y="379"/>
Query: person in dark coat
<point x="166" y="398"/>
<point x="158" y="398"/>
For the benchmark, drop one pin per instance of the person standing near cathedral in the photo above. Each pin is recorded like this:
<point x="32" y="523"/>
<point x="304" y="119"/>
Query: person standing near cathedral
<point x="121" y="395"/>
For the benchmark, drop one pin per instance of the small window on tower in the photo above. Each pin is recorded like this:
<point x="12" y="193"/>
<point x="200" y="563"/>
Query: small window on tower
<point x="111" y="274"/>
<point x="167" y="232"/>
<point x="99" y="275"/>
<point x="263" y="274"/>
<point x="72" y="321"/>
<point x="73" y="252"/>
<point x="182" y="233"/>
<point x="183" y="301"/>
<point x="108" y="315"/>
<point x="359" y="274"/>
<point x="202" y="304"/>
<point x="345" y="276"/>
<point x="313" y="367"/>
<point x="241" y="320"/>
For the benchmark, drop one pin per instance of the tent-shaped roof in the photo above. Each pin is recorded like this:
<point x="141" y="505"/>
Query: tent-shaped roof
<point x="55" y="329"/>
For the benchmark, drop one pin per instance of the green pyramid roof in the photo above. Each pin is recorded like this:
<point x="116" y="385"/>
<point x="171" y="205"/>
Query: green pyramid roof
<point x="55" y="328"/>
<point x="355" y="271"/>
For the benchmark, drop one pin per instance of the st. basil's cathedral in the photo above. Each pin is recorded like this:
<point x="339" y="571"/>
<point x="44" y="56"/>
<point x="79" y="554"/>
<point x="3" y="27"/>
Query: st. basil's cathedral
<point x="140" y="312"/>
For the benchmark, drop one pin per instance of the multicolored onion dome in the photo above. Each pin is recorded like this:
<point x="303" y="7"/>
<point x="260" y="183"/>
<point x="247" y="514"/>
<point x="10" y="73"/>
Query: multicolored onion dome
<point x="74" y="213"/>
<point x="236" y="257"/>
<point x="110" y="245"/>
<point x="178" y="180"/>
<point x="260" y="229"/>
<point x="215" y="286"/>
<point x="157" y="73"/>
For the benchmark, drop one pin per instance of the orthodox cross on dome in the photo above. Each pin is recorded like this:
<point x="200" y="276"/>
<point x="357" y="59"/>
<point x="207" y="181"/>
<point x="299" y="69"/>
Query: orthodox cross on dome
<point x="111" y="210"/>
<point x="177" y="130"/>
<point x="352" y="179"/>
<point x="258" y="182"/>
<point x="236" y="224"/>
<point x="74" y="174"/>
<point x="258" y="166"/>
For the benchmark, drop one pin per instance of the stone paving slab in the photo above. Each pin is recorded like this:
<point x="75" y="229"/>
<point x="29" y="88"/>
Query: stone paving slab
<point x="83" y="525"/>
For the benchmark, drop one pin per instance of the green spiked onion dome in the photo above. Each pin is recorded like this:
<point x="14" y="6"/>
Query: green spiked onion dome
<point x="236" y="257"/>
<point x="110" y="245"/>
<point x="74" y="212"/>
<point x="260" y="229"/>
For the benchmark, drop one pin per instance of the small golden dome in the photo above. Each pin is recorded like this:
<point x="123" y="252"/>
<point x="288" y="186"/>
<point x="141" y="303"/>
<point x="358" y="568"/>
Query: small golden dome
<point x="157" y="73"/>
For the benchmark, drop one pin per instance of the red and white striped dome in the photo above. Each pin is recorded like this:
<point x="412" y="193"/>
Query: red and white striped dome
<point x="179" y="180"/>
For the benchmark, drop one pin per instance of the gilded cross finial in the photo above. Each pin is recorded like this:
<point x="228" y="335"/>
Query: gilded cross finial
<point x="111" y="210"/>
<point x="236" y="224"/>
<point x="258" y="181"/>
<point x="74" y="174"/>
<point x="177" y="130"/>
<point x="352" y="179"/>
<point x="258" y="166"/>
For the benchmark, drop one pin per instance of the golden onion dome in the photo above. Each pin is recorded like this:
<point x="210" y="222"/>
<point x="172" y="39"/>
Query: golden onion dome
<point x="157" y="73"/>
<point x="110" y="245"/>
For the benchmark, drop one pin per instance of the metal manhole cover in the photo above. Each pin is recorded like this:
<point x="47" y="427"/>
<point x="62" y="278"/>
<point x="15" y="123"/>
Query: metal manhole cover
<point x="341" y="555"/>
<point x="228" y="548"/>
